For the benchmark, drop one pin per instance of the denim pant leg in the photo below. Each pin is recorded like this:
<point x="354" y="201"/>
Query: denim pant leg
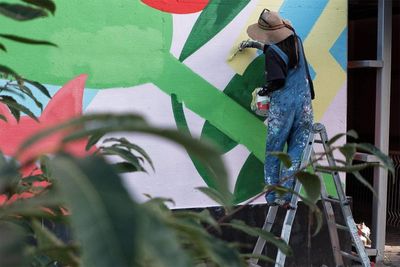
<point x="298" y="138"/>
<point x="280" y="119"/>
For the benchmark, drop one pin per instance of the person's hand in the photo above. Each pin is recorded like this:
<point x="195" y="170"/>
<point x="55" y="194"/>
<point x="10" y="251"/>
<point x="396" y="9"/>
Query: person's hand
<point x="243" y="45"/>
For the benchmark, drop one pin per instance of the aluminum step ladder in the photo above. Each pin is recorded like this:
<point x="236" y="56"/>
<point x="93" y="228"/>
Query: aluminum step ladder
<point x="361" y="256"/>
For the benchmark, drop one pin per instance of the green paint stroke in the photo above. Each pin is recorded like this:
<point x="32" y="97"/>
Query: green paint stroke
<point x="119" y="44"/>
<point x="211" y="21"/>
<point x="213" y="105"/>
<point x="250" y="180"/>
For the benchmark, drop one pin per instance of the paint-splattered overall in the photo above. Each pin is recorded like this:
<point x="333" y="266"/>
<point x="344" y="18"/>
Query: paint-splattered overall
<point x="290" y="120"/>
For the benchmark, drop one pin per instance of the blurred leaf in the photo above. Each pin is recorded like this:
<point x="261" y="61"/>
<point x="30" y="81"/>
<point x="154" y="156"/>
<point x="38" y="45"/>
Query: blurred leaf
<point x="124" y="167"/>
<point x="99" y="202"/>
<point x="216" y="196"/>
<point x="348" y="150"/>
<point x="201" y="217"/>
<point x="3" y="118"/>
<point x="362" y="180"/>
<point x="25" y="40"/>
<point x="12" y="245"/>
<point x="93" y="140"/>
<point x="348" y="168"/>
<point x="283" y="157"/>
<point x="255" y="256"/>
<point x="211" y="21"/>
<point x="250" y="181"/>
<point x="53" y="247"/>
<point x="25" y="90"/>
<point x="7" y="71"/>
<point x="16" y="108"/>
<point x="97" y="124"/>
<point x="267" y="236"/>
<point x="2" y="47"/>
<point x="385" y="159"/>
<point x="46" y="4"/>
<point x="123" y="142"/>
<point x="350" y="133"/>
<point x="311" y="184"/>
<point x="21" y="12"/>
<point x="39" y="86"/>
<point x="124" y="154"/>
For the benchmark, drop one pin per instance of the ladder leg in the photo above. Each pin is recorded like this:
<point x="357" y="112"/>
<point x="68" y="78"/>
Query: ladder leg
<point x="269" y="221"/>
<point x="287" y="225"/>
<point x="351" y="225"/>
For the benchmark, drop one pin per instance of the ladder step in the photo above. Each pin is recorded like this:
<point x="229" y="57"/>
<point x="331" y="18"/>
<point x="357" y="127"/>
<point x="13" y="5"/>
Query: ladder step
<point x="336" y="200"/>
<point x="342" y="227"/>
<point x="352" y="256"/>
<point x="318" y="141"/>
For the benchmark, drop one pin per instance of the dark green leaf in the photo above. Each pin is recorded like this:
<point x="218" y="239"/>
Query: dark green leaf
<point x="26" y="40"/>
<point x="99" y="202"/>
<point x="255" y="256"/>
<point x="54" y="247"/>
<point x="123" y="142"/>
<point x="124" y="154"/>
<point x="211" y="21"/>
<point x="39" y="86"/>
<point x="348" y="150"/>
<point x="283" y="157"/>
<point x="21" y="12"/>
<point x="216" y="196"/>
<point x="350" y="133"/>
<point x="385" y="159"/>
<point x="362" y="180"/>
<point x="93" y="139"/>
<point x="46" y="4"/>
<point x="25" y="90"/>
<point x="16" y="108"/>
<point x="348" y="168"/>
<point x="267" y="236"/>
<point x="311" y="184"/>
<point x="201" y="217"/>
<point x="7" y="71"/>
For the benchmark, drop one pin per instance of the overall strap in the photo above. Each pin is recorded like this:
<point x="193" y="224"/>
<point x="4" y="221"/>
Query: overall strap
<point x="282" y="54"/>
<point x="310" y="82"/>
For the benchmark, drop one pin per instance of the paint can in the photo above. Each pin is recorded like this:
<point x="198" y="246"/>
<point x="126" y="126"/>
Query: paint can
<point x="260" y="104"/>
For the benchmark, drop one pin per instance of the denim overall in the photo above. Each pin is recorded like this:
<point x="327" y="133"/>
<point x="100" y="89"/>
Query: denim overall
<point x="290" y="120"/>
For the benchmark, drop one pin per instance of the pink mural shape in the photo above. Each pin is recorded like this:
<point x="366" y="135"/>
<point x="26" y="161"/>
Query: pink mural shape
<point x="65" y="104"/>
<point x="177" y="6"/>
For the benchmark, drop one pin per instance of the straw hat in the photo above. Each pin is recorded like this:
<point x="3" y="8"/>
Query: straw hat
<point x="270" y="28"/>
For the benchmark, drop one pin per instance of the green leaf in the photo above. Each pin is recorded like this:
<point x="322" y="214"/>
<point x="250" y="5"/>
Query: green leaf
<point x="124" y="154"/>
<point x="124" y="167"/>
<point x="283" y="157"/>
<point x="348" y="150"/>
<point x="350" y="133"/>
<point x="46" y="4"/>
<point x="21" y="12"/>
<point x="25" y="40"/>
<point x="39" y="86"/>
<point x="123" y="142"/>
<point x="347" y="168"/>
<point x="25" y="90"/>
<point x="12" y="245"/>
<point x="52" y="246"/>
<point x="200" y="217"/>
<point x="93" y="140"/>
<point x="267" y="236"/>
<point x="3" y="118"/>
<point x="385" y="159"/>
<point x="16" y="108"/>
<point x="7" y="71"/>
<point x="101" y="210"/>
<point x="216" y="196"/>
<point x="255" y="256"/>
<point x="362" y="180"/>
<point x="212" y="20"/>
<point x="250" y="181"/>
<point x="311" y="184"/>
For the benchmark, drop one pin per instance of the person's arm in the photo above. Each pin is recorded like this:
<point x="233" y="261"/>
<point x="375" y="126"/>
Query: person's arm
<point x="251" y="44"/>
<point x="276" y="71"/>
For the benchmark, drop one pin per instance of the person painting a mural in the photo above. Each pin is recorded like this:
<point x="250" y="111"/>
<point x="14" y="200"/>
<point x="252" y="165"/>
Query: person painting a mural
<point x="290" y="89"/>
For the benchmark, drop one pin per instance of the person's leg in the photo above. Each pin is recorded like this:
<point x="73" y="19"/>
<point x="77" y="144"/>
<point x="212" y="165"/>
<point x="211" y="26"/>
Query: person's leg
<point x="280" y="119"/>
<point x="297" y="140"/>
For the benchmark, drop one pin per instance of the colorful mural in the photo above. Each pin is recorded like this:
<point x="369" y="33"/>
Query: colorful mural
<point x="171" y="61"/>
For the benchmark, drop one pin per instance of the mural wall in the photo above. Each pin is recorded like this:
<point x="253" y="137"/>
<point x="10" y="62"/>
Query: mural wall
<point x="171" y="61"/>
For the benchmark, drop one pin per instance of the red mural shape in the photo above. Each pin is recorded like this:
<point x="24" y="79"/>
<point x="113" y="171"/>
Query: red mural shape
<point x="177" y="6"/>
<point x="65" y="104"/>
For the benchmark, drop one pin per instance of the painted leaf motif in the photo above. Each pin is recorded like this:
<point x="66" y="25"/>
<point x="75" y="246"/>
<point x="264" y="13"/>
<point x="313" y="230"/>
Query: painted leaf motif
<point x="211" y="21"/>
<point x="250" y="180"/>
<point x="176" y="6"/>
